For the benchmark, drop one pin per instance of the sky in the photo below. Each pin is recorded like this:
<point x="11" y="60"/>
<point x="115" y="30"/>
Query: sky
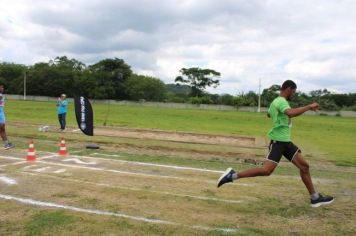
<point x="309" y="41"/>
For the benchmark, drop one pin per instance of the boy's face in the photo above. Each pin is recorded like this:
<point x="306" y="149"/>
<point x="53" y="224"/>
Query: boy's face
<point x="291" y="93"/>
<point x="1" y="88"/>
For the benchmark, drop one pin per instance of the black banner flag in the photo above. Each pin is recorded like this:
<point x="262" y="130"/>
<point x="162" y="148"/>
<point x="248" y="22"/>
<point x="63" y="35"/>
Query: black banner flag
<point x="84" y="114"/>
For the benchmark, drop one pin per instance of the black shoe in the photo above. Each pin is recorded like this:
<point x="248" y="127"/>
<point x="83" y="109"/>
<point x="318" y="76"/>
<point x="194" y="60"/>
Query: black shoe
<point x="226" y="177"/>
<point x="8" y="146"/>
<point x="321" y="201"/>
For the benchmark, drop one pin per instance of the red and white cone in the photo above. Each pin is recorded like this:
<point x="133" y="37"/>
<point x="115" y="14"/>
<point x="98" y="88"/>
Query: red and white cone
<point x="62" y="148"/>
<point x="31" y="153"/>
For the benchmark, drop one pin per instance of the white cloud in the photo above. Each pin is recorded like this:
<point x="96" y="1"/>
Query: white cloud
<point x="312" y="42"/>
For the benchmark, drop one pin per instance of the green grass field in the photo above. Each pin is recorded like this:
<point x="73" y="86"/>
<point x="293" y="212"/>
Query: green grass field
<point x="332" y="137"/>
<point x="150" y="186"/>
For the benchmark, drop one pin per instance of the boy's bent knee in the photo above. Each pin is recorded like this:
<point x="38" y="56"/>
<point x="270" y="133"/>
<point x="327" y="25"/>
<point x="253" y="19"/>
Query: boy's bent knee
<point x="304" y="168"/>
<point x="267" y="171"/>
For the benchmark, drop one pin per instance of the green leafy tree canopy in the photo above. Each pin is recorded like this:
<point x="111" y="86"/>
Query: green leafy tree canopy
<point x="198" y="79"/>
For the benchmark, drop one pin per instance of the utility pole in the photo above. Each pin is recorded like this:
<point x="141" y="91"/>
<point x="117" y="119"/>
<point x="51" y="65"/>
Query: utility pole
<point x="259" y="95"/>
<point x="24" y="86"/>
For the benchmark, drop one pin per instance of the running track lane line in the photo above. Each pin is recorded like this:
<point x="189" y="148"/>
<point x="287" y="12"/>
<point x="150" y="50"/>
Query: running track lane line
<point x="126" y="172"/>
<point x="29" y="201"/>
<point x="135" y="189"/>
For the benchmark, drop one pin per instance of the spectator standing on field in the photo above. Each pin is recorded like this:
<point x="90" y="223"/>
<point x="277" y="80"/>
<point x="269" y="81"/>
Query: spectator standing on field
<point x="7" y="144"/>
<point x="62" y="105"/>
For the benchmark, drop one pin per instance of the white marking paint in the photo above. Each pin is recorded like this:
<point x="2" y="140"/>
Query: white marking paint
<point x="32" y="202"/>
<point x="77" y="161"/>
<point x="14" y="163"/>
<point x="165" y="166"/>
<point x="12" y="158"/>
<point x="156" y="165"/>
<point x="59" y="171"/>
<point x="138" y="189"/>
<point x="42" y="169"/>
<point x="118" y="171"/>
<point x="107" y="155"/>
<point x="134" y="173"/>
<point x="23" y="160"/>
<point x="75" y="130"/>
<point x="7" y="180"/>
<point x="29" y="167"/>
<point x="47" y="157"/>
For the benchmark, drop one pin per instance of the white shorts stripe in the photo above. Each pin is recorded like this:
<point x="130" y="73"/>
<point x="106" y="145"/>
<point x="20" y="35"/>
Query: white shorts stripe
<point x="295" y="154"/>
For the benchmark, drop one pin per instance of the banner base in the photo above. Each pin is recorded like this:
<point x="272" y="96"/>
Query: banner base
<point x="93" y="146"/>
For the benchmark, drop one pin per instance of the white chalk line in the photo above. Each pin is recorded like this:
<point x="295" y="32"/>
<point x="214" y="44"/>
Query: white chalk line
<point x="122" y="172"/>
<point x="141" y="174"/>
<point x="103" y="154"/>
<point x="134" y="173"/>
<point x="13" y="163"/>
<point x="59" y="171"/>
<point x="33" y="202"/>
<point x="139" y="163"/>
<point x="42" y="169"/>
<point x="11" y="158"/>
<point x="7" y="180"/>
<point x="23" y="160"/>
<point x="137" y="189"/>
<point x="159" y="165"/>
<point x="77" y="161"/>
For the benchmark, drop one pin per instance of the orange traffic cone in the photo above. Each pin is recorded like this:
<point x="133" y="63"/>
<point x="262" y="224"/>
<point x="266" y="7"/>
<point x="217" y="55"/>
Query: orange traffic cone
<point x="62" y="148"/>
<point x="31" y="153"/>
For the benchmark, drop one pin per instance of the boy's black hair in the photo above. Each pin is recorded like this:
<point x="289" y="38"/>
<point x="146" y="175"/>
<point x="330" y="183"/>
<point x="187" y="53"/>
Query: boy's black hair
<point x="288" y="84"/>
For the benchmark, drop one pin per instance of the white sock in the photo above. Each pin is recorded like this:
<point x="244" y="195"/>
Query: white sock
<point x="314" y="196"/>
<point x="234" y="176"/>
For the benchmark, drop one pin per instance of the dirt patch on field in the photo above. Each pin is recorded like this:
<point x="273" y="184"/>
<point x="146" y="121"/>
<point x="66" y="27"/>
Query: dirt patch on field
<point x="180" y="136"/>
<point x="184" y="137"/>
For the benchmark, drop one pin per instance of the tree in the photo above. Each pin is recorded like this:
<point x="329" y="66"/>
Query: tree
<point x="55" y="77"/>
<point x="111" y="75"/>
<point x="249" y="99"/>
<point x="343" y="100"/>
<point x="198" y="79"/>
<point x="40" y="79"/>
<point x="11" y="75"/>
<point x="144" y="87"/>
<point x="70" y="64"/>
<point x="66" y="71"/>
<point x="319" y="93"/>
<point x="269" y="94"/>
<point x="227" y="99"/>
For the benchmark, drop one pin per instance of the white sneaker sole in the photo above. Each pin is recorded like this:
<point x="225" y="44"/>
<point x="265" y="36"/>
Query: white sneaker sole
<point x="321" y="203"/>
<point x="225" y="173"/>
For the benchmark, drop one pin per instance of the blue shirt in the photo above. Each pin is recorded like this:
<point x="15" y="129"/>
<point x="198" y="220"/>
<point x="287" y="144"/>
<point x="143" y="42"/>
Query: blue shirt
<point x="2" y="102"/>
<point x="62" y="106"/>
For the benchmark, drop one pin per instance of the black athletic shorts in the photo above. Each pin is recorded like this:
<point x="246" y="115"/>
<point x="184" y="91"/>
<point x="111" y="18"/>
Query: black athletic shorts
<point x="277" y="149"/>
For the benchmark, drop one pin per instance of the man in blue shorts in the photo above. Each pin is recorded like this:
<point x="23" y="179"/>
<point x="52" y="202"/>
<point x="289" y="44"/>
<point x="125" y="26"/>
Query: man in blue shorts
<point x="281" y="114"/>
<point x="7" y="144"/>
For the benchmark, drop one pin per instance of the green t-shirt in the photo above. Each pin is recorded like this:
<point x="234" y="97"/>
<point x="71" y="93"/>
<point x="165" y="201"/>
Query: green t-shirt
<point x="281" y="123"/>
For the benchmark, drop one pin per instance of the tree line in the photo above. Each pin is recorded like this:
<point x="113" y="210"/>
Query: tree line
<point x="113" y="78"/>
